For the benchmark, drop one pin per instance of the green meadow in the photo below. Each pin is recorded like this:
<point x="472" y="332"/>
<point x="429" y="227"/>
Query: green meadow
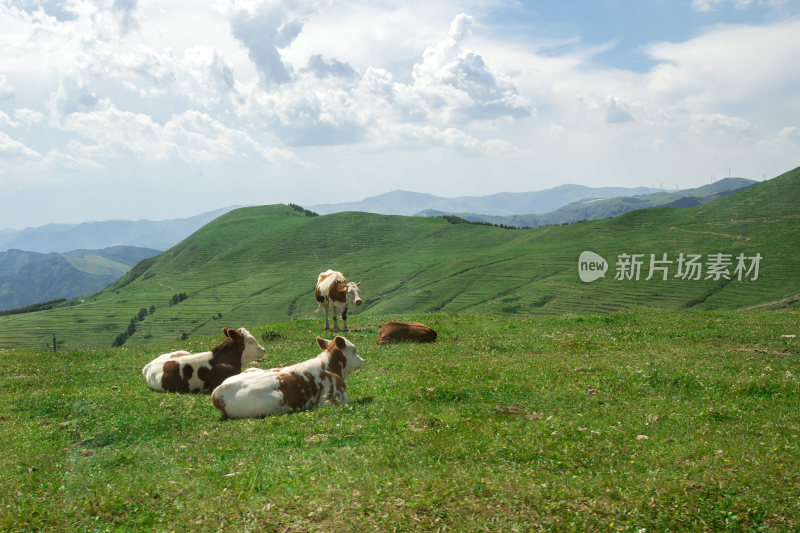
<point x="258" y="265"/>
<point x="646" y="420"/>
<point x="621" y="404"/>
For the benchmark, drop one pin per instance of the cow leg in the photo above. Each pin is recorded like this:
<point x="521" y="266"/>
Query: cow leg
<point x="344" y="320"/>
<point x="335" y="320"/>
<point x="327" y="326"/>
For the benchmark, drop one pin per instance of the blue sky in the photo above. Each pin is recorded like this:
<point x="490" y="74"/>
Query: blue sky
<point x="145" y="109"/>
<point x="629" y="26"/>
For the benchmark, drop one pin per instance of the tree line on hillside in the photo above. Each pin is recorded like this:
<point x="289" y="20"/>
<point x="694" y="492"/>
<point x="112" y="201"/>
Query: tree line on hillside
<point x="141" y="315"/>
<point x="43" y="306"/>
<point x="453" y="219"/>
<point x="303" y="210"/>
<point x="177" y="298"/>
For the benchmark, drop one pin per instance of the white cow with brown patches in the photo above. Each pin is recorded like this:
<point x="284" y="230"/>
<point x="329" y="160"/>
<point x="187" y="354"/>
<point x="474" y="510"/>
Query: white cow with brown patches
<point x="202" y="372"/>
<point x="334" y="293"/>
<point x="256" y="393"/>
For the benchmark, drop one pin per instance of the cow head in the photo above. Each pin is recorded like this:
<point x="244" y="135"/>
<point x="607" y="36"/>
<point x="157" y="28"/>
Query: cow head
<point x="252" y="350"/>
<point x="353" y="298"/>
<point x="343" y="357"/>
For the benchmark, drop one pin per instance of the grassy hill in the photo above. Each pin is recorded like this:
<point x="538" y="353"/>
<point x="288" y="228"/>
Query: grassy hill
<point x="258" y="265"/>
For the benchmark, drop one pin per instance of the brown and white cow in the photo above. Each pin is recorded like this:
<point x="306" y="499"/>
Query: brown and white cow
<point x="256" y="393"/>
<point x="405" y="332"/>
<point x="334" y="293"/>
<point x="185" y="372"/>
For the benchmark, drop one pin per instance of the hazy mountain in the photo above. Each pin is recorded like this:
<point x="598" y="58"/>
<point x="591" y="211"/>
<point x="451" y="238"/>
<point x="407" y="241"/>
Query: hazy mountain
<point x="597" y="208"/>
<point x="28" y="277"/>
<point x="158" y="235"/>
<point x="408" y="203"/>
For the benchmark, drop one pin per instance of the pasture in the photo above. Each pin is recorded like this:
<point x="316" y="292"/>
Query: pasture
<point x="640" y="420"/>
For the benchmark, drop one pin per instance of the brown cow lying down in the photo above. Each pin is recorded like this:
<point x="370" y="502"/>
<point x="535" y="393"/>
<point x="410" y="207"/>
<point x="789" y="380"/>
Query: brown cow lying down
<point x="402" y="332"/>
<point x="257" y="393"/>
<point x="185" y="372"/>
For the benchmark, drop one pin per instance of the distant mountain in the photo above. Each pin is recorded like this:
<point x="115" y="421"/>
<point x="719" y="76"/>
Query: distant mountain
<point x="597" y="208"/>
<point x="158" y="235"/>
<point x="28" y="277"/>
<point x="501" y="204"/>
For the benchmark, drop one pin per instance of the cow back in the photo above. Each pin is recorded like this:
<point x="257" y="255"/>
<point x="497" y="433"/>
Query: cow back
<point x="405" y="332"/>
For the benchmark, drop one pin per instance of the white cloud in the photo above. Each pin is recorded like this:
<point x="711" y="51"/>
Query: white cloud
<point x="729" y="65"/>
<point x="381" y="89"/>
<point x="790" y="133"/>
<point x="264" y="31"/>
<point x="718" y="124"/>
<point x="5" y="120"/>
<point x="707" y="6"/>
<point x="108" y="133"/>
<point x="6" y="93"/>
<point x="13" y="149"/>
<point x="29" y="117"/>
<point x="457" y="85"/>
<point x="328" y="102"/>
<point x="59" y="161"/>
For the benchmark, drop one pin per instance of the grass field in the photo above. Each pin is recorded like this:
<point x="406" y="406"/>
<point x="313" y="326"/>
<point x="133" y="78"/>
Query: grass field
<point x="693" y="426"/>
<point x="259" y="265"/>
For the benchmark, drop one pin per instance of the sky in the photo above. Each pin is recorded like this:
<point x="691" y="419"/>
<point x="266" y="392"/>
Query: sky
<point x="145" y="109"/>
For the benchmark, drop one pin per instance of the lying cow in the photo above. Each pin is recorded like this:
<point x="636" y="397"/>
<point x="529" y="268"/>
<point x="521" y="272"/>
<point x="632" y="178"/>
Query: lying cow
<point x="402" y="332"/>
<point x="319" y="381"/>
<point x="185" y="372"/>
<point x="334" y="293"/>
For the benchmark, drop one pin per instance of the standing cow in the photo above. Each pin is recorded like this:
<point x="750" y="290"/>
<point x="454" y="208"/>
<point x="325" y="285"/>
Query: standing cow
<point x="334" y="293"/>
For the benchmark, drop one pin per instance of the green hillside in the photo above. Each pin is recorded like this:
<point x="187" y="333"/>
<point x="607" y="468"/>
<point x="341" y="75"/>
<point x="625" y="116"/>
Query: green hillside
<point x="258" y="265"/>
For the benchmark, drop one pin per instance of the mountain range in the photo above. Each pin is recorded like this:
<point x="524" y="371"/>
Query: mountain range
<point x="157" y="235"/>
<point x="565" y="203"/>
<point x="597" y="208"/>
<point x="409" y="203"/>
<point x="29" y="277"/>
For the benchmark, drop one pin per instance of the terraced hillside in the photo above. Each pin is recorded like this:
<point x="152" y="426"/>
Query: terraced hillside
<point x="258" y="265"/>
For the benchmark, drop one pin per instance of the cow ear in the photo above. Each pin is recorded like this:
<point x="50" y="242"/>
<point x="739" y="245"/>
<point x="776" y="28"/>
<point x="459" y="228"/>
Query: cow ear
<point x="323" y="343"/>
<point x="340" y="343"/>
<point x="226" y="332"/>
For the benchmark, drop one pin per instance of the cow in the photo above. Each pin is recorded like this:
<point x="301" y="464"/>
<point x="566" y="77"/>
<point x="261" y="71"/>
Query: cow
<point x="402" y="332"/>
<point x="202" y="372"/>
<point x="334" y="293"/>
<point x="257" y="393"/>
